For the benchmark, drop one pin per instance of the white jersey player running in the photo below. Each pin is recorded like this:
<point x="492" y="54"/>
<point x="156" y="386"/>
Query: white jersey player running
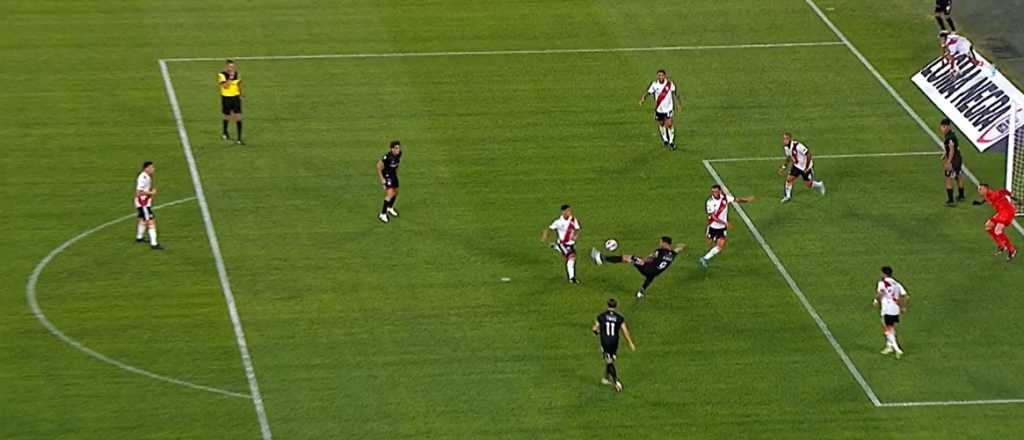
<point x="568" y="229"/>
<point x="717" y="207"/>
<point x="664" y="92"/>
<point x="891" y="298"/>
<point x="801" y="164"/>
<point x="143" y="201"/>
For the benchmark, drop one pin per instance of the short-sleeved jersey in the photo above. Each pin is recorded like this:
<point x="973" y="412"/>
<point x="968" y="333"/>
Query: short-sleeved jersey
<point x="229" y="83"/>
<point x="390" y="162"/>
<point x="952" y="147"/>
<point x="143" y="183"/>
<point x="799" y="155"/>
<point x="566" y="228"/>
<point x="660" y="261"/>
<point x="1001" y="200"/>
<point x="718" y="210"/>
<point x="662" y="92"/>
<point x="957" y="45"/>
<point x="889" y="292"/>
<point x="609" y="324"/>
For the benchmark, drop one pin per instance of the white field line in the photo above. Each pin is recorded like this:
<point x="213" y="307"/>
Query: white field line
<point x="799" y="293"/>
<point x="830" y="156"/>
<point x="895" y="95"/>
<point x="31" y="295"/>
<point x="513" y="52"/>
<point x="953" y="403"/>
<point x="222" y="272"/>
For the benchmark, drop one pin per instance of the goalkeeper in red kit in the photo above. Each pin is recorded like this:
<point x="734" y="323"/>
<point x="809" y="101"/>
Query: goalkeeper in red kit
<point x="1002" y="201"/>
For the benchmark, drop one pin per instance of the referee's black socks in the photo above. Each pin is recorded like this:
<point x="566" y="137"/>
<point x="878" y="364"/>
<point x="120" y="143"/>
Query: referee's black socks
<point x="238" y="125"/>
<point x="225" y="127"/>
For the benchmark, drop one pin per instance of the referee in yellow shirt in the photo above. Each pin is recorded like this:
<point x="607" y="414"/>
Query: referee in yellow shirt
<point x="231" y="99"/>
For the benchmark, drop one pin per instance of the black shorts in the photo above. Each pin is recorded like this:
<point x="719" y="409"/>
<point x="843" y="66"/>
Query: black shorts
<point x="944" y="7"/>
<point x="647" y="270"/>
<point x="391" y="182"/>
<point x="145" y="213"/>
<point x="955" y="170"/>
<point x="660" y="117"/>
<point x="716" y="233"/>
<point x="231" y="104"/>
<point x="609" y="352"/>
<point x="797" y="172"/>
<point x="890" y="319"/>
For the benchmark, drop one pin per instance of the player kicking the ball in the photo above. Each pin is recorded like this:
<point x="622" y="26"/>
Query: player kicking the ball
<point x="891" y="298"/>
<point x="144" y="193"/>
<point x="650" y="266"/>
<point x="718" y="221"/>
<point x="1002" y="201"/>
<point x="664" y="92"/>
<point x="800" y="163"/>
<point x="568" y="229"/>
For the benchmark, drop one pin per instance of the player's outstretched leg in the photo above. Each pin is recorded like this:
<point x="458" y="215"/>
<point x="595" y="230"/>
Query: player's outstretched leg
<point x="643" y="289"/>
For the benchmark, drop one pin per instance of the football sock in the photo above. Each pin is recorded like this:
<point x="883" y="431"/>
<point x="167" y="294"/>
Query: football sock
<point x="960" y="193"/>
<point x="712" y="252"/>
<point x="609" y="370"/>
<point x="152" y="236"/>
<point x="941" y="24"/>
<point x="664" y="133"/>
<point x="647" y="283"/>
<point x="949" y="195"/>
<point x="394" y="198"/>
<point x="816" y="184"/>
<point x="671" y="135"/>
<point x="789" y="190"/>
<point x="612" y="258"/>
<point x="238" y="125"/>
<point x="570" y="268"/>
<point x="951" y="26"/>
<point x="140" y="231"/>
<point x="384" y="209"/>
<point x="225" y="127"/>
<point x="1004" y="241"/>
<point x="995" y="237"/>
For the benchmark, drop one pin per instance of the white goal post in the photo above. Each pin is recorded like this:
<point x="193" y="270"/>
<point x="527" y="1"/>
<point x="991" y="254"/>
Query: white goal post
<point x="1015" y="156"/>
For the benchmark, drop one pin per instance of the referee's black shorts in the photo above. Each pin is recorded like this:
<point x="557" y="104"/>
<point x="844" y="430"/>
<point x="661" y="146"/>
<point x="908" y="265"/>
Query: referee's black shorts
<point x="231" y="104"/>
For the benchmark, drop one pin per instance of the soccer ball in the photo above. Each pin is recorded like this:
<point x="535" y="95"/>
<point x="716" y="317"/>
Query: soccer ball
<point x="611" y="245"/>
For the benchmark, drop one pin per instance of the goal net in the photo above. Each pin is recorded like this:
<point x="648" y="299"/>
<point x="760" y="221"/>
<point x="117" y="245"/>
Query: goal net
<point x="1015" y="157"/>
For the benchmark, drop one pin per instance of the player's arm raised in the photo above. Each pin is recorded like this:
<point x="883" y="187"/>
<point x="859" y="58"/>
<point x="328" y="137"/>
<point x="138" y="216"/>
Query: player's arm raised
<point x="629" y="337"/>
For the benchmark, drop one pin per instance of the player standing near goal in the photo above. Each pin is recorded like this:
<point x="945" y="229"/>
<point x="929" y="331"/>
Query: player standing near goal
<point x="568" y="229"/>
<point x="650" y="267"/>
<point x="144" y="193"/>
<point x="387" y="172"/>
<point x="1002" y="201"/>
<point x="664" y="92"/>
<point x="230" y="100"/>
<point x="954" y="45"/>
<point x="891" y="298"/>
<point x="952" y="162"/>
<point x="717" y="208"/>
<point x="800" y="163"/>
<point x="944" y="8"/>
<point x="608" y="325"/>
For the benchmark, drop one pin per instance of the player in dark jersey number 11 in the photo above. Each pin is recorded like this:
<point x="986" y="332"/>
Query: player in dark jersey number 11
<point x="650" y="266"/>
<point x="608" y="325"/>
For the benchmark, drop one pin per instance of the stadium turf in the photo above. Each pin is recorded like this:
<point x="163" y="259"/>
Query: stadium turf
<point x="405" y="330"/>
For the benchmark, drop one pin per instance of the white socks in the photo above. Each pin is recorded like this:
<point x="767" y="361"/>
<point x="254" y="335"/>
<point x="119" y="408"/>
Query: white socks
<point x="789" y="190"/>
<point x="664" y="133"/>
<point x="816" y="184"/>
<point x="890" y="341"/>
<point x="711" y="253"/>
<point x="152" y="236"/>
<point x="140" y="231"/>
<point x="671" y="135"/>
<point x="570" y="268"/>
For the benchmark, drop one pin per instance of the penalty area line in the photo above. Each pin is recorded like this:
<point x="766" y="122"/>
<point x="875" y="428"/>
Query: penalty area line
<point x="798" y="293"/>
<point x="511" y="52"/>
<point x="952" y="403"/>
<point x="830" y="156"/>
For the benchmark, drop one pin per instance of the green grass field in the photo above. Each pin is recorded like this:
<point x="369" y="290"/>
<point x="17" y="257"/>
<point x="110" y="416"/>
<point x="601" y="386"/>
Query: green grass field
<point x="363" y="330"/>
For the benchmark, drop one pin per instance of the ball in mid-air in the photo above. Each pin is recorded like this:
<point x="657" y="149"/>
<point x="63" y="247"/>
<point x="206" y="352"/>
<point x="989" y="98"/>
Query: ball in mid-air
<point x="611" y="245"/>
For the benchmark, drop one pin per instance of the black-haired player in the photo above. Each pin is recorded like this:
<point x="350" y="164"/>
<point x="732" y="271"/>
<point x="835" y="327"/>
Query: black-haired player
<point x="607" y="326"/>
<point x="944" y="8"/>
<point x="230" y="99"/>
<point x="650" y="266"/>
<point x="952" y="162"/>
<point x="387" y="172"/>
<point x="664" y="92"/>
<point x="567" y="228"/>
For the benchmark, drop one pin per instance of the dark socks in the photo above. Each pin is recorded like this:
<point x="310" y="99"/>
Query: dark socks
<point x="960" y="194"/>
<point x="949" y="195"/>
<point x="384" y="209"/>
<point x="225" y="127"/>
<point x="612" y="258"/>
<point x="951" y="26"/>
<point x="609" y="370"/>
<point x="647" y="283"/>
<point x="941" y="24"/>
<point x="394" y="198"/>
<point x="238" y="125"/>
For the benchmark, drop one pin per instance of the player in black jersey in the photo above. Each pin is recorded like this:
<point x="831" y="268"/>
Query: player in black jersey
<point x="944" y="7"/>
<point x="952" y="162"/>
<point x="387" y="172"/>
<point x="650" y="266"/>
<point x="607" y="326"/>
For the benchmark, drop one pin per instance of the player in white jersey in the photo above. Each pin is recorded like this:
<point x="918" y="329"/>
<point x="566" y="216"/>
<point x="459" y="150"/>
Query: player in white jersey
<point x="717" y="208"/>
<point x="568" y="229"/>
<point x="953" y="46"/>
<point x="891" y="298"/>
<point x="800" y="163"/>
<point x="144" y="193"/>
<point x="664" y="92"/>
